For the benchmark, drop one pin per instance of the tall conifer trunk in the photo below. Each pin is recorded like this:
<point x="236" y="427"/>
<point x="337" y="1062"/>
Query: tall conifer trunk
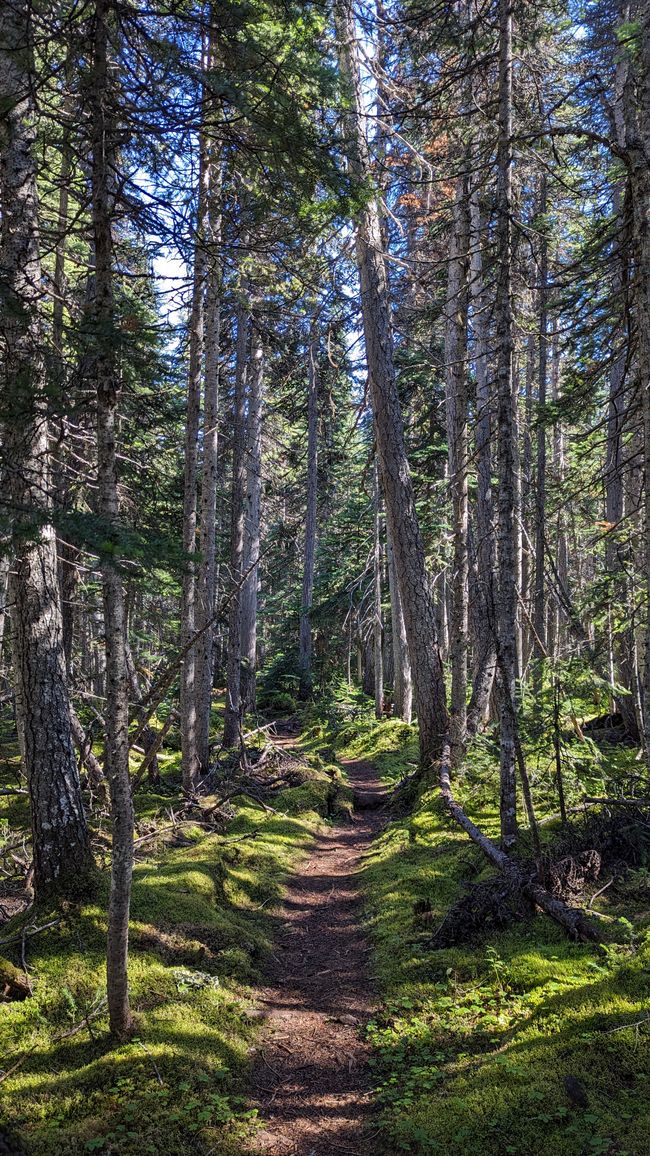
<point x="507" y="594"/>
<point x="309" y="556"/>
<point x="252" y="519"/>
<point x="61" y="846"/>
<point x="233" y="715"/>
<point x="206" y="580"/>
<point x="190" y="763"/>
<point x="457" y="441"/>
<point x="116" y="752"/>
<point x="395" y="477"/>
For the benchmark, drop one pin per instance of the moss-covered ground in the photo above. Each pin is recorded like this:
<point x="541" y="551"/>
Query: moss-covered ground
<point x="202" y="925"/>
<point x="474" y="1042"/>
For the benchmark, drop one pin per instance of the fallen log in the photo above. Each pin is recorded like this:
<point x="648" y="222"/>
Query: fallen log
<point x="572" y="919"/>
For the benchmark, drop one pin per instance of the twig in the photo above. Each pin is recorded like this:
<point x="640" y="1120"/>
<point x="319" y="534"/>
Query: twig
<point x="85" y="1022"/>
<point x="152" y="1061"/>
<point x="5" y="1075"/>
<point x="28" y="931"/>
<point x="24" y="961"/>
<point x="641" y="802"/>
<point x="597" y="893"/>
<point x="194" y="823"/>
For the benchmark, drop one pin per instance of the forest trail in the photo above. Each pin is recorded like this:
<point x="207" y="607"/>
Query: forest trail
<point x="311" y="1081"/>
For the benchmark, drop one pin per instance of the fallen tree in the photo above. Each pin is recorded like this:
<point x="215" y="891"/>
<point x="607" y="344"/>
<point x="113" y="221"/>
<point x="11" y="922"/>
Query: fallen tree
<point x="572" y="919"/>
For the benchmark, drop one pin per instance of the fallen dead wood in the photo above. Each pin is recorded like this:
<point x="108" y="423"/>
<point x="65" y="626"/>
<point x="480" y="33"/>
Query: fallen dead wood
<point x="87" y="755"/>
<point x="29" y="931"/>
<point x="194" y="823"/>
<point x="606" y="802"/>
<point x="572" y="919"/>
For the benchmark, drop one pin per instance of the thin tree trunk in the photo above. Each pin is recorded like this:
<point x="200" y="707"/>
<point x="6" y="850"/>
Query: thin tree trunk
<point x="206" y="578"/>
<point x="377" y="622"/>
<point x="116" y="757"/>
<point x="309" y="557"/>
<point x="191" y="768"/>
<point x="396" y="484"/>
<point x="539" y="602"/>
<point x="403" y="685"/>
<point x="457" y="441"/>
<point x="507" y="595"/>
<point x="484" y="610"/>
<point x="638" y="134"/>
<point x="4" y="582"/>
<point x="233" y="715"/>
<point x="252" y="520"/>
<point x="61" y="847"/>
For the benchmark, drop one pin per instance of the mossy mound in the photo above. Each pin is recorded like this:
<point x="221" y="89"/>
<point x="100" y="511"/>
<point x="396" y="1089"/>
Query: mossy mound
<point x="475" y="1041"/>
<point x="202" y="926"/>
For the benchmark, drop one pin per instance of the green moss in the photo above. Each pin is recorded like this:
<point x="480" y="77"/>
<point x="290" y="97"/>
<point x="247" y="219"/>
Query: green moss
<point x="202" y="925"/>
<point x="474" y="1042"/>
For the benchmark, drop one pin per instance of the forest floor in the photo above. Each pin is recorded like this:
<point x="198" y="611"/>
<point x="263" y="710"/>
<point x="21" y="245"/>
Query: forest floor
<point x="312" y="1081"/>
<point x="291" y="992"/>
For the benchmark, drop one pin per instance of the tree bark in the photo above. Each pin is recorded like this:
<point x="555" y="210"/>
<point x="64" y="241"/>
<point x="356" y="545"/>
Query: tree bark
<point x="190" y="765"/>
<point x="206" y="578"/>
<point x="377" y="622"/>
<point x="483" y="616"/>
<point x="395" y="477"/>
<point x="233" y="716"/>
<point x="309" y="556"/>
<point x="507" y="592"/>
<point x="249" y="593"/>
<point x="457" y="441"/>
<point x="61" y="847"/>
<point x="403" y="685"/>
<point x="638" y="144"/>
<point x="539" y="601"/>
<point x="116" y="755"/>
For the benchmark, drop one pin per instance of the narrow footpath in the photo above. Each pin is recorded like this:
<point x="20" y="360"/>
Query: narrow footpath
<point x="311" y="1081"/>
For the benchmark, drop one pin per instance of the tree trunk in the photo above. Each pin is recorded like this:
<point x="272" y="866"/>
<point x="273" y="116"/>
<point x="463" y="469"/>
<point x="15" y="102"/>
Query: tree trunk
<point x="252" y="521"/>
<point x="484" y="604"/>
<point x="377" y="622"/>
<point x="457" y="441"/>
<point x="638" y="142"/>
<point x="190" y="764"/>
<point x="310" y="519"/>
<point x="116" y="756"/>
<point x="403" y="686"/>
<point x="507" y="593"/>
<point x="395" y="478"/>
<point x="4" y="581"/>
<point x="232" y="721"/>
<point x="206" y="578"/>
<point x="539" y="601"/>
<point x="61" y="847"/>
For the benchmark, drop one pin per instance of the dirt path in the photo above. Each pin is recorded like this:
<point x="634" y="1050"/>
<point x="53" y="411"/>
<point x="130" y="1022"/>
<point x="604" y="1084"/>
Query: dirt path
<point x="311" y="1081"/>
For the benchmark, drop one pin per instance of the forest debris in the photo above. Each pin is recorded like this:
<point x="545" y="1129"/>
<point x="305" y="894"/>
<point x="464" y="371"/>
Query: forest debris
<point x="492" y="903"/>
<point x="568" y="876"/>
<point x="14" y="985"/>
<point x="28" y="931"/>
<point x="572" y="919"/>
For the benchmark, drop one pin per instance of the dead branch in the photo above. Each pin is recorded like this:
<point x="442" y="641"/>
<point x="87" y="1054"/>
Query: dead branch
<point x="572" y="919"/>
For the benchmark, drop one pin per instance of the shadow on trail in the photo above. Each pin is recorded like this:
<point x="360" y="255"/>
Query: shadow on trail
<point x="311" y="1082"/>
